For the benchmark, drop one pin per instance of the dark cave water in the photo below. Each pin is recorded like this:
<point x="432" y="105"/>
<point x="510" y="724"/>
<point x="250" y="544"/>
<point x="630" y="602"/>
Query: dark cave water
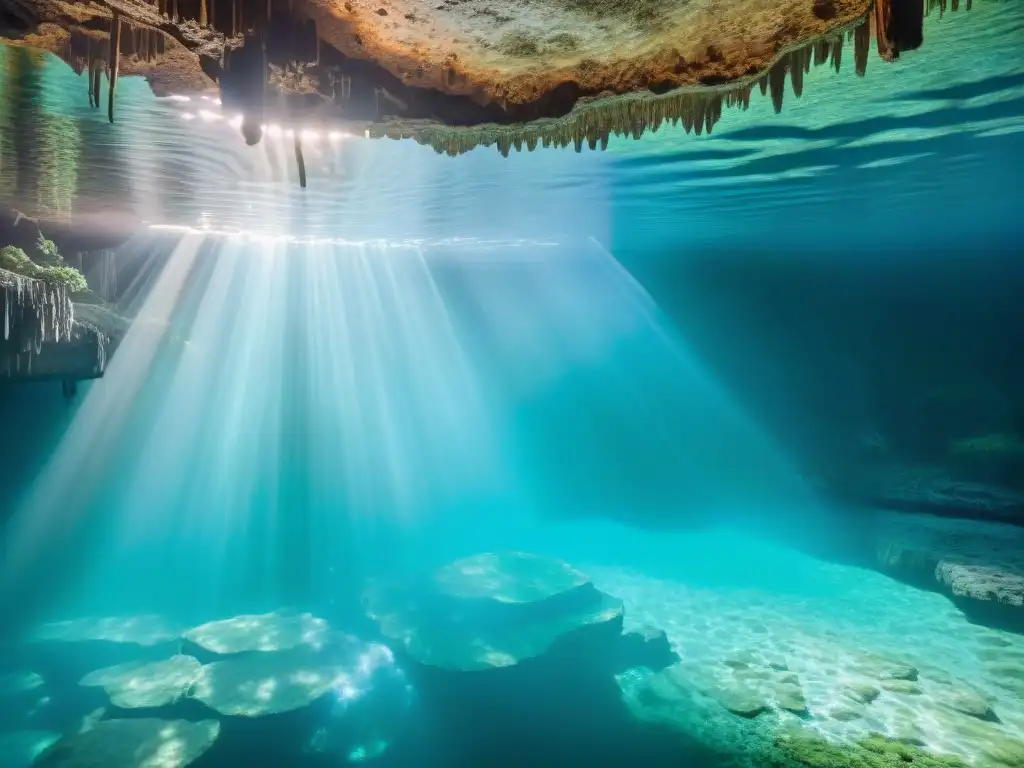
<point x="705" y="373"/>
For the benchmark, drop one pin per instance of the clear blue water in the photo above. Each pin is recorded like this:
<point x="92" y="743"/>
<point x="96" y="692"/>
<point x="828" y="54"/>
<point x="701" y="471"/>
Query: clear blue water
<point x="636" y="361"/>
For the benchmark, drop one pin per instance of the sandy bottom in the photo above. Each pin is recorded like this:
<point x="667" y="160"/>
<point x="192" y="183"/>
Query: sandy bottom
<point x="831" y="645"/>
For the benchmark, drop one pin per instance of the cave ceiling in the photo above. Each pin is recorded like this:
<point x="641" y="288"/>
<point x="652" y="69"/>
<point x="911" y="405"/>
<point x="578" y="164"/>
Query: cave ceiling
<point x="457" y="74"/>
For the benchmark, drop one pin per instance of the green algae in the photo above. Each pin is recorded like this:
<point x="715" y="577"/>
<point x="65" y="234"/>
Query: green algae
<point x="871" y="752"/>
<point x="15" y="260"/>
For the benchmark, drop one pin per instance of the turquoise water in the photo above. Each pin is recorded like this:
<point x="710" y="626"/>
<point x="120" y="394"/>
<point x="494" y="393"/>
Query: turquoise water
<point x="642" y="362"/>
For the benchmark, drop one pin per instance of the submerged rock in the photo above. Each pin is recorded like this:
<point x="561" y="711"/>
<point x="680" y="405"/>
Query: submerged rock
<point x="972" y="704"/>
<point x="272" y="682"/>
<point x="493" y="611"/>
<point x="883" y="668"/>
<point x="862" y="693"/>
<point x="141" y="743"/>
<point x="902" y="686"/>
<point x="147" y="631"/>
<point x="648" y="647"/>
<point x="845" y="714"/>
<point x="275" y="631"/>
<point x="979" y="565"/>
<point x="790" y="697"/>
<point x="145" y="684"/>
<point x="20" y="749"/>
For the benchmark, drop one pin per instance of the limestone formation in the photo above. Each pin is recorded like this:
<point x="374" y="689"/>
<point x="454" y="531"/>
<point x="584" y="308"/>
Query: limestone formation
<point x="493" y="610"/>
<point x="460" y="75"/>
<point x="980" y="565"/>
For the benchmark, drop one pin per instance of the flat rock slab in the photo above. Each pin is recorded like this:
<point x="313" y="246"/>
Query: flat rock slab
<point x="510" y="577"/>
<point x="141" y="743"/>
<point x="258" y="684"/>
<point x="490" y="611"/>
<point x="142" y="685"/>
<point x="147" y="630"/>
<point x="276" y="631"/>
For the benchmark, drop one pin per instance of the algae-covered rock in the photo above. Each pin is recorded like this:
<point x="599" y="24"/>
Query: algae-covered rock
<point x="871" y="752"/>
<point x="135" y="743"/>
<point x="1004" y="751"/>
<point x="492" y="611"/>
<point x="845" y="714"/>
<point x="275" y="631"/>
<point x="1007" y="675"/>
<point x="140" y="685"/>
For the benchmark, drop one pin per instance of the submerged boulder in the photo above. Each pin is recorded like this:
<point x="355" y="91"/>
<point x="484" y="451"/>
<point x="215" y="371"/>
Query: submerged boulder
<point x="134" y="743"/>
<point x="492" y="611"/>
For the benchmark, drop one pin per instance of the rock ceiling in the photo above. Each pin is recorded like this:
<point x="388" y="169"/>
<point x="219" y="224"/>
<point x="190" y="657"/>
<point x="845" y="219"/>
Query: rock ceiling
<point x="457" y="74"/>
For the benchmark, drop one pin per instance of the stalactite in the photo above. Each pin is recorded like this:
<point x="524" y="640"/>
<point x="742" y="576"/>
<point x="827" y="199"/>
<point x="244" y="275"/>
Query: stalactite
<point x="298" y="159"/>
<point x="35" y="312"/>
<point x="899" y="26"/>
<point x="861" y="48"/>
<point x="88" y="84"/>
<point x="97" y="78"/>
<point x="697" y="110"/>
<point x="115" y="61"/>
<point x="777" y="84"/>
<point x="837" y="53"/>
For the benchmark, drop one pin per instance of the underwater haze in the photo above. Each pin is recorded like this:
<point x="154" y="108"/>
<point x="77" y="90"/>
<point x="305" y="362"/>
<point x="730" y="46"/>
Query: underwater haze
<point x="700" y="451"/>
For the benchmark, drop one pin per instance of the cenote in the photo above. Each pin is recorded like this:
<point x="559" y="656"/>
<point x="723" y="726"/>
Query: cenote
<point x="546" y="384"/>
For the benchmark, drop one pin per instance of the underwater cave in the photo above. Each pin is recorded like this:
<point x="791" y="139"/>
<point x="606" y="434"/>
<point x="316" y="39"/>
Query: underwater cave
<point x="702" y="449"/>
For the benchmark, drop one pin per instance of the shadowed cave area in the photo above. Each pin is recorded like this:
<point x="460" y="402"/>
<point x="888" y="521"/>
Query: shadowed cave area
<point x="319" y="450"/>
